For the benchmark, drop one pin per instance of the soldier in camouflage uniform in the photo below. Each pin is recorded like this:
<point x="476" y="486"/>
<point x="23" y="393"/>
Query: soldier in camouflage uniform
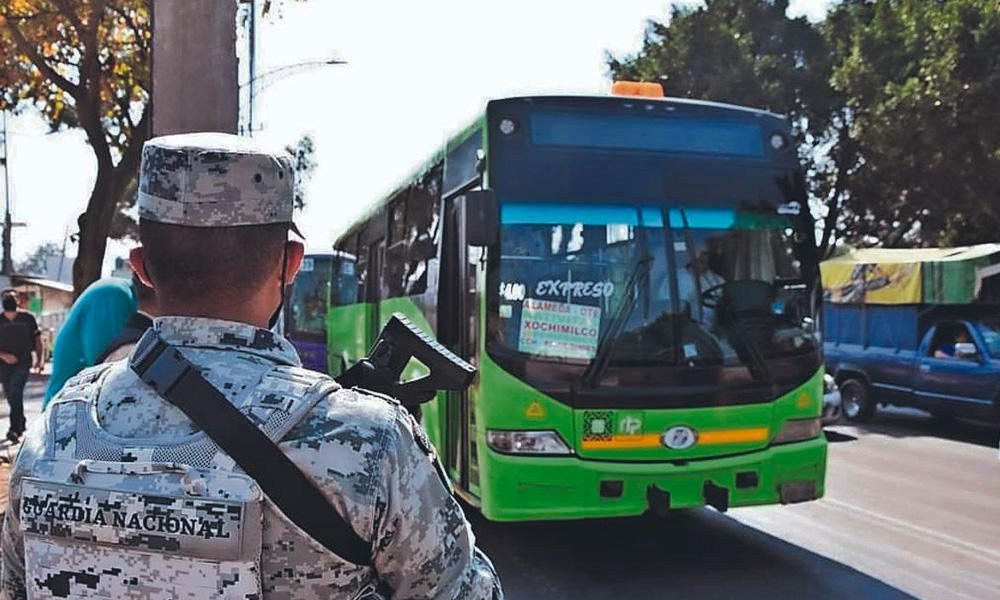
<point x="91" y="509"/>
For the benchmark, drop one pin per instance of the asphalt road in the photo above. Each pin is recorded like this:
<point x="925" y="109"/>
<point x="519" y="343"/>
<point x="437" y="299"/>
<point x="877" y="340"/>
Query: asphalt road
<point x="912" y="510"/>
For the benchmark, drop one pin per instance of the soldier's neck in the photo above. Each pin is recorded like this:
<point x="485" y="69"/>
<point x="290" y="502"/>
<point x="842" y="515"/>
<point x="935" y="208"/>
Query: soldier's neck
<point x="251" y="314"/>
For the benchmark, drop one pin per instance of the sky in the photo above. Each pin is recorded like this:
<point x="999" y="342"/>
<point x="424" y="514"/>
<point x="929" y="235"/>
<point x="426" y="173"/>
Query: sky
<point x="416" y="72"/>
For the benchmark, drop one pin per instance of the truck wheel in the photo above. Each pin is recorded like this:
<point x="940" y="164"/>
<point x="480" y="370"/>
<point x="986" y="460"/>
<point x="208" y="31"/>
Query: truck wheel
<point x="857" y="401"/>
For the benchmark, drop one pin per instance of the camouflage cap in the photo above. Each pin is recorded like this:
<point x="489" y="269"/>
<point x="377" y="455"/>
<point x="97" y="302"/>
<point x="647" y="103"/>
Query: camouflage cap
<point x="215" y="180"/>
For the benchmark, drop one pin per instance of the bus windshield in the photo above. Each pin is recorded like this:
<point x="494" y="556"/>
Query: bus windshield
<point x="648" y="286"/>
<point x="308" y="299"/>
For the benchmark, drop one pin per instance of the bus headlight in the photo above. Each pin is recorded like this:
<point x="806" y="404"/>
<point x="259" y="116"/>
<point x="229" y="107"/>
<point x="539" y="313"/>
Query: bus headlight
<point x="797" y="430"/>
<point x="527" y="442"/>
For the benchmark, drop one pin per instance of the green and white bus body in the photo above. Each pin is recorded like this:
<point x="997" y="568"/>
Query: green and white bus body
<point x="642" y="325"/>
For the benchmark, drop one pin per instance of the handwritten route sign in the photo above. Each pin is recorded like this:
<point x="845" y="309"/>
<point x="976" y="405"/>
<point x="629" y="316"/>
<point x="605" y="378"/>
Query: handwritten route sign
<point x="559" y="329"/>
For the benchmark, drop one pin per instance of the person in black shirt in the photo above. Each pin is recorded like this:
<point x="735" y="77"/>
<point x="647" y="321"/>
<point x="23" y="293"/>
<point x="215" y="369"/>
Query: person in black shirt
<point x="19" y="337"/>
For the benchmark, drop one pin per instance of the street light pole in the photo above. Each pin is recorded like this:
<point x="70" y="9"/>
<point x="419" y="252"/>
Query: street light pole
<point x="7" y="264"/>
<point x="274" y="76"/>
<point x="7" y="260"/>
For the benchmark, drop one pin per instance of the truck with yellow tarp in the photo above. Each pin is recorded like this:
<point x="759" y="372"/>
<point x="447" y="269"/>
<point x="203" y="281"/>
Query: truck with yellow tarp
<point x="915" y="327"/>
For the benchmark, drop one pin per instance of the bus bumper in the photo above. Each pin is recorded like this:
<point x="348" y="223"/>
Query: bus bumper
<point x="522" y="488"/>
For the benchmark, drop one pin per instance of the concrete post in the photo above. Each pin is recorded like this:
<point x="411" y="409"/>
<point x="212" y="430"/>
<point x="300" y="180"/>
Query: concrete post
<point x="195" y="84"/>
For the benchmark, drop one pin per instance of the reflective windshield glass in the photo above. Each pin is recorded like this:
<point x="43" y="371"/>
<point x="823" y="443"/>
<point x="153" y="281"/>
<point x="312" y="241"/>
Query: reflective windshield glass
<point x="740" y="276"/>
<point x="307" y="301"/>
<point x="716" y="287"/>
<point x="568" y="273"/>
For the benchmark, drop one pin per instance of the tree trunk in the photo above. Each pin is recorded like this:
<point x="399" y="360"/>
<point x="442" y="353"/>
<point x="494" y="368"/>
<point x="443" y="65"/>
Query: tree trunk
<point x="94" y="225"/>
<point x="109" y="189"/>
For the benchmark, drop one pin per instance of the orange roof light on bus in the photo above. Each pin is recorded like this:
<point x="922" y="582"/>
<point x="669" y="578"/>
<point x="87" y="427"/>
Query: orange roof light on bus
<point x="644" y="89"/>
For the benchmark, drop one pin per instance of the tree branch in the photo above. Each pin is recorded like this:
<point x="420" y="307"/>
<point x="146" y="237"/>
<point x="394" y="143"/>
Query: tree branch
<point x="90" y="66"/>
<point x="40" y="63"/>
<point x="133" y="152"/>
<point x="137" y="32"/>
<point x="126" y="118"/>
<point x="67" y="10"/>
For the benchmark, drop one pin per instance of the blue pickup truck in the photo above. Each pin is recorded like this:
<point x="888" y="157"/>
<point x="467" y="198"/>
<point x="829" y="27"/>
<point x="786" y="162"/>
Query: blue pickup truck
<point x="942" y="359"/>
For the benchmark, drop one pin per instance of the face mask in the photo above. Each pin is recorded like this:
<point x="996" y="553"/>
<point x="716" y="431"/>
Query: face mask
<point x="9" y="304"/>
<point x="277" y="312"/>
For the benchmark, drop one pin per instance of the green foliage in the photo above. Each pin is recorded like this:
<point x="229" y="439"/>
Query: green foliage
<point x="894" y="103"/>
<point x="923" y="82"/>
<point x="80" y="63"/>
<point x="304" y="154"/>
<point x="86" y="64"/>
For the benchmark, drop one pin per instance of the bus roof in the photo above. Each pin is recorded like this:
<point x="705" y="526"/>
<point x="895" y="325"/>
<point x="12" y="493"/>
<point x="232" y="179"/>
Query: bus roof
<point x="599" y="99"/>
<point x="329" y="254"/>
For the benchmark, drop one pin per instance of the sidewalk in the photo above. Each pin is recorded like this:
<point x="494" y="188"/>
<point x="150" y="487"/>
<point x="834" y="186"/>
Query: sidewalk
<point x="34" y="392"/>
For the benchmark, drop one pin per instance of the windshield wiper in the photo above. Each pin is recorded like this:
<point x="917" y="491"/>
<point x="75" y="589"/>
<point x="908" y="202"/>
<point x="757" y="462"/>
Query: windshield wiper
<point x="603" y="353"/>
<point x="758" y="364"/>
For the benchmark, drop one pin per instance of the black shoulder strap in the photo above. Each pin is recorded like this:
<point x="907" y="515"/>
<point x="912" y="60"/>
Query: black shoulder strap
<point x="178" y="381"/>
<point x="135" y="325"/>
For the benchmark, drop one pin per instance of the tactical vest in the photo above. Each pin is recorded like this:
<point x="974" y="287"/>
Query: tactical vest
<point x="110" y="517"/>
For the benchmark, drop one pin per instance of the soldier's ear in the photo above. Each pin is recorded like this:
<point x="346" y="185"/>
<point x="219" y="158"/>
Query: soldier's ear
<point x="294" y="251"/>
<point x="137" y="260"/>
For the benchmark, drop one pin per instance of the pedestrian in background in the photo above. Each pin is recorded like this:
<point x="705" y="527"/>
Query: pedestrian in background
<point x="136" y="324"/>
<point x="19" y="338"/>
<point x="174" y="516"/>
<point x="97" y="316"/>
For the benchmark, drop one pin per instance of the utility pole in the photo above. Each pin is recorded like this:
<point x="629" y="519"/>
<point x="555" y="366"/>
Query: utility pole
<point x="194" y="66"/>
<point x="247" y="56"/>
<point x="7" y="263"/>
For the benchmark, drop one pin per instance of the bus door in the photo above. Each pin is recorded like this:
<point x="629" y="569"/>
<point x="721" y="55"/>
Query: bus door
<point x="457" y="310"/>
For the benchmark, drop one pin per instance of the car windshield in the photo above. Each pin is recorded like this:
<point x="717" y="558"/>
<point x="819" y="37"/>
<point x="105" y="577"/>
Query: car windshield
<point x="578" y="280"/>
<point x="990" y="330"/>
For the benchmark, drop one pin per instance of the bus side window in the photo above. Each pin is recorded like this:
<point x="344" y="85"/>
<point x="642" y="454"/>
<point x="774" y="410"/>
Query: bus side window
<point x="344" y="283"/>
<point x="395" y="255"/>
<point x="423" y="230"/>
<point x="361" y="269"/>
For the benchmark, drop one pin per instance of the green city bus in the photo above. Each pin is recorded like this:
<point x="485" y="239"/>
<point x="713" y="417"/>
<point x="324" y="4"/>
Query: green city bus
<point x="636" y="281"/>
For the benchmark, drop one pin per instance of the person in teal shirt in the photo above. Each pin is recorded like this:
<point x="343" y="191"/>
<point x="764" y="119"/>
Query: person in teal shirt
<point x="94" y="320"/>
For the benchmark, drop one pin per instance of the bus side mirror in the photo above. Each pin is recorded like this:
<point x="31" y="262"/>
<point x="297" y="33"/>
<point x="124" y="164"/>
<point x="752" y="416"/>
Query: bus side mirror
<point x="482" y="218"/>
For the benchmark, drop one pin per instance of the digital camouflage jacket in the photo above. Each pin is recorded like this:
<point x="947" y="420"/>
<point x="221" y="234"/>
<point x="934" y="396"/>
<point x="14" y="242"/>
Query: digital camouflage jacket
<point x="364" y="451"/>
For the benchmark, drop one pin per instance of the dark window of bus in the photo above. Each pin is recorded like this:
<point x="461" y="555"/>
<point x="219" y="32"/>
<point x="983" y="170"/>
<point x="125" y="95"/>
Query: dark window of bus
<point x="362" y="267"/>
<point x="397" y="218"/>
<point x="423" y="223"/>
<point x="344" y="282"/>
<point x="461" y="165"/>
<point x="395" y="254"/>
